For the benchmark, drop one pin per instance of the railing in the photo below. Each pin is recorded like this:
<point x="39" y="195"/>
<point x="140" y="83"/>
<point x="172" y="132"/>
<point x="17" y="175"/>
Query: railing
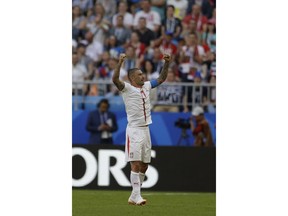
<point x="170" y="94"/>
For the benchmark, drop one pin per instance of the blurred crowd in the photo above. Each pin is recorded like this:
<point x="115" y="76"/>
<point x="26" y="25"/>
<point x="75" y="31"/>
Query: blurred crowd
<point x="144" y="30"/>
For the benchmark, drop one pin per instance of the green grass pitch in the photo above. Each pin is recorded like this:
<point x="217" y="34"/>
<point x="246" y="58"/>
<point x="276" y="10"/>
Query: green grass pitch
<point x="114" y="203"/>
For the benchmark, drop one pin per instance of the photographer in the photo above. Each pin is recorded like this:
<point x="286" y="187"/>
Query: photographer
<point x="201" y="132"/>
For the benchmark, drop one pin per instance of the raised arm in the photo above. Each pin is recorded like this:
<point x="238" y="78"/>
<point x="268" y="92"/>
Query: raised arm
<point x="163" y="75"/>
<point x="119" y="84"/>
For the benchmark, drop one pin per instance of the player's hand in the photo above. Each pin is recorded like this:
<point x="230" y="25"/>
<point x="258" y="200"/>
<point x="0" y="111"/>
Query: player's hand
<point x="122" y="57"/>
<point x="167" y="57"/>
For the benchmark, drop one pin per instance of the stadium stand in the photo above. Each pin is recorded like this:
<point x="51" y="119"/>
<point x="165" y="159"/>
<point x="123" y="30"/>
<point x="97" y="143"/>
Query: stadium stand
<point x="97" y="40"/>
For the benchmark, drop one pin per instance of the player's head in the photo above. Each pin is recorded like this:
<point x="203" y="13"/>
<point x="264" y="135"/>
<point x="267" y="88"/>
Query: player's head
<point x="136" y="77"/>
<point x="103" y="105"/>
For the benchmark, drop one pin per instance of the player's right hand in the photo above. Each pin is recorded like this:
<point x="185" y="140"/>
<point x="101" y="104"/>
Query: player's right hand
<point x="122" y="57"/>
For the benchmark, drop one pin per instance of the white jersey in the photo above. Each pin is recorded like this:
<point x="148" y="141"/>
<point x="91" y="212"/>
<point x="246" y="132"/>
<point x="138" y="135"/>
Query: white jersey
<point x="137" y="104"/>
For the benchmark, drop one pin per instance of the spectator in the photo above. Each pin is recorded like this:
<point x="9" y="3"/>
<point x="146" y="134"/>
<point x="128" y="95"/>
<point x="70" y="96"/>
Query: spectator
<point x="201" y="131"/>
<point x="112" y="47"/>
<point x="208" y="7"/>
<point x="99" y="9"/>
<point x="128" y="18"/>
<point x="165" y="44"/>
<point x="212" y="65"/>
<point x="168" y="96"/>
<point x="196" y="95"/>
<point x="81" y="52"/>
<point x="78" y="24"/>
<point x="102" y="68"/>
<point x="100" y="73"/>
<point x="99" y="28"/>
<point x="134" y="7"/>
<point x="110" y="7"/>
<point x="159" y="7"/>
<point x="171" y="23"/>
<point x="101" y="124"/>
<point x="211" y="37"/>
<point x="139" y="47"/>
<point x="213" y="18"/>
<point x="103" y="89"/>
<point x="90" y="16"/>
<point x="79" y="74"/>
<point x="131" y="59"/>
<point x="192" y="54"/>
<point x="146" y="35"/>
<point x="77" y="17"/>
<point x="74" y="45"/>
<point x="148" y="70"/>
<point x="153" y="18"/>
<point x="122" y="33"/>
<point x="180" y="7"/>
<point x="94" y="48"/>
<point x="197" y="16"/>
<point x="157" y="60"/>
<point x="112" y="65"/>
<point x="84" y="5"/>
<point x="191" y="28"/>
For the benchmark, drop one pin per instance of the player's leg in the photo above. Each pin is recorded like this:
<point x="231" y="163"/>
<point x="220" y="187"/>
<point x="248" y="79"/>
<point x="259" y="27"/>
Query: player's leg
<point x="133" y="155"/>
<point x="142" y="171"/>
<point x="135" y="197"/>
<point x="146" y="155"/>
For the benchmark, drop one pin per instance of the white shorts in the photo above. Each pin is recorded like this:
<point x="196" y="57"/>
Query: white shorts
<point x="138" y="144"/>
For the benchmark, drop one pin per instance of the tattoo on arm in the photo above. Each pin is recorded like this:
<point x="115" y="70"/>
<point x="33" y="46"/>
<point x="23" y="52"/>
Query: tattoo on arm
<point x="163" y="75"/>
<point x="119" y="84"/>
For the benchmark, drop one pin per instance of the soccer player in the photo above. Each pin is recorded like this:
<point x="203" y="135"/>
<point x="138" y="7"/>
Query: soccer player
<point x="137" y="104"/>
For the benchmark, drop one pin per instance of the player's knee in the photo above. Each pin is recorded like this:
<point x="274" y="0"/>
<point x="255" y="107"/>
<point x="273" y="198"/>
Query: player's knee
<point x="135" y="166"/>
<point x="144" y="167"/>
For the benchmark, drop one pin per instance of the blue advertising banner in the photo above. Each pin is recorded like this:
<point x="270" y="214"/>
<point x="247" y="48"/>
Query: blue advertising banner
<point x="163" y="130"/>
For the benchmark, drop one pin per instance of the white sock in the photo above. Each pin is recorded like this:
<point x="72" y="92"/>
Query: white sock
<point x="141" y="176"/>
<point x="135" y="182"/>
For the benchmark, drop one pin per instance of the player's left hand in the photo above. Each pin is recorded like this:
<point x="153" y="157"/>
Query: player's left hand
<point x="167" y="57"/>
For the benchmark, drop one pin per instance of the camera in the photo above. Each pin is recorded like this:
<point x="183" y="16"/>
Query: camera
<point x="182" y="123"/>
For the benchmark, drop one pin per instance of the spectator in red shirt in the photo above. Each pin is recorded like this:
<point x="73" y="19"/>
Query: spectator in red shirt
<point x="197" y="16"/>
<point x="139" y="47"/>
<point x="165" y="44"/>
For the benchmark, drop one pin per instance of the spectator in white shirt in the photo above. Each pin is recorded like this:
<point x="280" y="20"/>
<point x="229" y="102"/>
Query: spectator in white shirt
<point x="128" y="18"/>
<point x="153" y="20"/>
<point x="79" y="74"/>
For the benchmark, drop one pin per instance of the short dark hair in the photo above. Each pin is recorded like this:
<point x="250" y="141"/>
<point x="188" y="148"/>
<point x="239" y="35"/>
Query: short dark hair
<point x="131" y="71"/>
<point x="104" y="101"/>
<point x="172" y="6"/>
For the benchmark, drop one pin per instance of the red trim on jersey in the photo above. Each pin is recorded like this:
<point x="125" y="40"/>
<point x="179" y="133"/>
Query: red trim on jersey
<point x="144" y="109"/>
<point x="128" y="145"/>
<point x="142" y="92"/>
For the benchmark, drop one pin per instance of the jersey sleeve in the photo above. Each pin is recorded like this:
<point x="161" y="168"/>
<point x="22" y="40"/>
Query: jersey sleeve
<point x="126" y="88"/>
<point x="154" y="83"/>
<point x="147" y="84"/>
